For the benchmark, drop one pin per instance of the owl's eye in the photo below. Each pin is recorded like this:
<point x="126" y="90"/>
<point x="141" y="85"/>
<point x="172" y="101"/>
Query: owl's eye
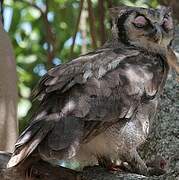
<point x="140" y="21"/>
<point x="167" y="23"/>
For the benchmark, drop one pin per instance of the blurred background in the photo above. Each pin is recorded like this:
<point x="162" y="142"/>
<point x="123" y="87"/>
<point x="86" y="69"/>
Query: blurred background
<point x="46" y="33"/>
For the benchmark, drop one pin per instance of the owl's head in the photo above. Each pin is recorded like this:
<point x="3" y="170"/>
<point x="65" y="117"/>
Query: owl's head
<point x="151" y="29"/>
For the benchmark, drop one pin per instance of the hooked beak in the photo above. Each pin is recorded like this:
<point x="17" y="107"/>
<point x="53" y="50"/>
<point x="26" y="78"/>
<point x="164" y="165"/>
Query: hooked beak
<point x="156" y="33"/>
<point x="159" y="34"/>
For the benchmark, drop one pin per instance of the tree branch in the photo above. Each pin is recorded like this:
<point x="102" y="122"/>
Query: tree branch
<point x="49" y="35"/>
<point x="42" y="170"/>
<point x="45" y="171"/>
<point x="92" y="24"/>
<point x="30" y="3"/>
<point x="76" y="28"/>
<point x="110" y="3"/>
<point x="101" y="10"/>
<point x="2" y="11"/>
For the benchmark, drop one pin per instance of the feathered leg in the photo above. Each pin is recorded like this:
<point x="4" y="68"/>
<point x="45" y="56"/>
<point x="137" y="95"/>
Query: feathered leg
<point x="105" y="161"/>
<point x="135" y="161"/>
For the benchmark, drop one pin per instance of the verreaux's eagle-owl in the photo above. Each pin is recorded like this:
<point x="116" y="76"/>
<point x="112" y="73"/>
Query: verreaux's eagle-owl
<point x="102" y="103"/>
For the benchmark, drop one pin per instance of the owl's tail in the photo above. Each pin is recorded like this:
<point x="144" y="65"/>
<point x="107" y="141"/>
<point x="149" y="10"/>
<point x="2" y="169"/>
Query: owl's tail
<point x="29" y="140"/>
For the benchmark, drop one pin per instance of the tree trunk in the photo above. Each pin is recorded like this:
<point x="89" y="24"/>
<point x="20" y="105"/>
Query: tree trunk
<point x="8" y="94"/>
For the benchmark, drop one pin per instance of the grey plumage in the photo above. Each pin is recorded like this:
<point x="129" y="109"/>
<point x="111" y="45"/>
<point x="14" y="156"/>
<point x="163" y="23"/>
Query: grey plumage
<point x="102" y="103"/>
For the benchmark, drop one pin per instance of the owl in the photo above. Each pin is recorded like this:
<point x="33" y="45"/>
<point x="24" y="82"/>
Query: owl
<point x="99" y="107"/>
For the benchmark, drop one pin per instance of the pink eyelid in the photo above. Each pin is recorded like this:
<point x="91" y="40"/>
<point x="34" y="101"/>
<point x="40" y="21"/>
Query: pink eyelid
<point x="168" y="23"/>
<point x="140" y="20"/>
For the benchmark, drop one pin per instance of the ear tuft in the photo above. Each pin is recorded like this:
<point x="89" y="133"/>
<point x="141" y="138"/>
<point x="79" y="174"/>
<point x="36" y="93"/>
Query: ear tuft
<point x="170" y="10"/>
<point x="166" y="9"/>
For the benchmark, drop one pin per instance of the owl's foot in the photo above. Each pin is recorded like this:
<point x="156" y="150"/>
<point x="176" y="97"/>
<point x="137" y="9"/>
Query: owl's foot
<point x="135" y="163"/>
<point x="114" y="167"/>
<point x="106" y="162"/>
<point x="32" y="172"/>
<point x="156" y="166"/>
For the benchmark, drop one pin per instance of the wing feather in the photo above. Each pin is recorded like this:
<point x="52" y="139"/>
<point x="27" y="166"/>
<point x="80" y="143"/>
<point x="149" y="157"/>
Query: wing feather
<point x="95" y="73"/>
<point x="28" y="142"/>
<point x="93" y="82"/>
<point x="78" y="71"/>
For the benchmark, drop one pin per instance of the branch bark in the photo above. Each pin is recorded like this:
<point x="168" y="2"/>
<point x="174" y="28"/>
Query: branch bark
<point x="45" y="171"/>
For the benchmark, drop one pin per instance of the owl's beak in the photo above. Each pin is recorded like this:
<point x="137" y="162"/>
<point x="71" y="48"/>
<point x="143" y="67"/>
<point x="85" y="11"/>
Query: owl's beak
<point x="158" y="36"/>
<point x="156" y="33"/>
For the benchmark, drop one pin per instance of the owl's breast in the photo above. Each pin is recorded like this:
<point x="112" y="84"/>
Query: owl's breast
<point x="113" y="142"/>
<point x="131" y="135"/>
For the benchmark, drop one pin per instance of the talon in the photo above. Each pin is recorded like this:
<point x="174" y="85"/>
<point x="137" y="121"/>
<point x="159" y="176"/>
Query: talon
<point x="31" y="172"/>
<point x="114" y="167"/>
<point x="28" y="173"/>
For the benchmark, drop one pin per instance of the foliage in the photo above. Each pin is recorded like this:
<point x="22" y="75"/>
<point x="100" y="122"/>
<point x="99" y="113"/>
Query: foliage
<point x="42" y="33"/>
